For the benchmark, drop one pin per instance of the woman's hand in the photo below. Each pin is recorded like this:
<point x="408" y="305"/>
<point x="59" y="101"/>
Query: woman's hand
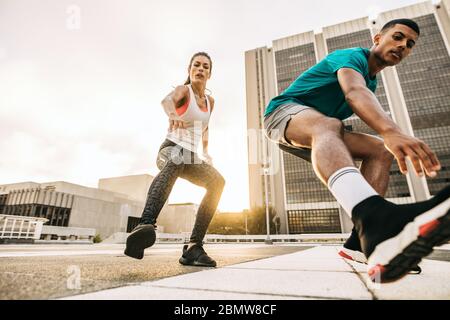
<point x="171" y="102"/>
<point x="208" y="159"/>
<point x="176" y="124"/>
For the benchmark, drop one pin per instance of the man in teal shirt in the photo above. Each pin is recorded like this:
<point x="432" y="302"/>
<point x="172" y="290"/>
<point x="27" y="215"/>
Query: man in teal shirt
<point x="319" y="88"/>
<point x="306" y="121"/>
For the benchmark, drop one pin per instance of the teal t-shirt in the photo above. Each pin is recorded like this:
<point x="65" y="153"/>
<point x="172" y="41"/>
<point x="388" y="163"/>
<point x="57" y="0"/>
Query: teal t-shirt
<point x="318" y="87"/>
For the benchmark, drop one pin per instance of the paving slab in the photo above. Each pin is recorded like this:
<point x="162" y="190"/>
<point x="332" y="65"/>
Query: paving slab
<point x="299" y="275"/>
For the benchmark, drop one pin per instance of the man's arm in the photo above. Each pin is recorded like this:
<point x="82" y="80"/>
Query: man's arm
<point x="364" y="103"/>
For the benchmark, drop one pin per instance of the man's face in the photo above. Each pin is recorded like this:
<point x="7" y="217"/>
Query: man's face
<point x="395" y="44"/>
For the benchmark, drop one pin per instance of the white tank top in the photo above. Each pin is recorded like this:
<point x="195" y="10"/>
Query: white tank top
<point x="196" y="121"/>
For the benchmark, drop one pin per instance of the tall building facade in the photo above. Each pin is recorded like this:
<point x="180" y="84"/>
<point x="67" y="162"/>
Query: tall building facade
<point x="416" y="93"/>
<point x="265" y="190"/>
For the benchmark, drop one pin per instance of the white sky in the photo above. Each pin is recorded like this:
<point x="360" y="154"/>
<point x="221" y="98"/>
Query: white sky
<point x="80" y="105"/>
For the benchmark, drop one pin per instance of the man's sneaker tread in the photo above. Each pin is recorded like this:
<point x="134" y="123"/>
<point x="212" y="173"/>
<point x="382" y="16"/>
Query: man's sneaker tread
<point x="427" y="238"/>
<point x="353" y="255"/>
<point x="359" y="257"/>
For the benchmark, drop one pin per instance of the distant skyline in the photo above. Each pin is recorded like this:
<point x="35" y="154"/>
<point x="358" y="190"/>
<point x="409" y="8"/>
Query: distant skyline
<point x="81" y="97"/>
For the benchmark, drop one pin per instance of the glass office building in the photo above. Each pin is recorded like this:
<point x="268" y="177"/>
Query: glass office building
<point x="424" y="79"/>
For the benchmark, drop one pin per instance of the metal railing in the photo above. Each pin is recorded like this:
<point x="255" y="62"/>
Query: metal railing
<point x="20" y="227"/>
<point x="219" y="238"/>
<point x="329" y="237"/>
<point x="172" y="237"/>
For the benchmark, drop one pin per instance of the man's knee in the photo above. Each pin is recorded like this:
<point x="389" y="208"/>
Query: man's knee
<point x="304" y="128"/>
<point x="379" y="152"/>
<point x="329" y="125"/>
<point x="385" y="155"/>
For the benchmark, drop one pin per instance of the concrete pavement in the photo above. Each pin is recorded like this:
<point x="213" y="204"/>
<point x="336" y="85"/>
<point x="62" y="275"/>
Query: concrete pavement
<point x="50" y="271"/>
<point x="246" y="272"/>
<point x="316" y="273"/>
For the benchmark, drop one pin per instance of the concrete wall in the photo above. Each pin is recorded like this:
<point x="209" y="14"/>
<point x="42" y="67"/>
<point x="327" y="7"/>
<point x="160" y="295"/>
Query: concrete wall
<point x="6" y="188"/>
<point x="75" y="189"/>
<point x="69" y="188"/>
<point x="260" y="88"/>
<point x="443" y="13"/>
<point x="178" y="218"/>
<point x="104" y="216"/>
<point x="136" y="187"/>
<point x="253" y="124"/>
<point x="68" y="233"/>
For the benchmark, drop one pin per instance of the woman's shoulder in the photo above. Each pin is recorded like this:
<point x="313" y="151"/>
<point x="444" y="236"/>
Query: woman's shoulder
<point x="181" y="89"/>
<point x="180" y="92"/>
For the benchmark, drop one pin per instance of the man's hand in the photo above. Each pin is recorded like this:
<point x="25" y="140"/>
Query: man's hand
<point x="364" y="103"/>
<point x="402" y="146"/>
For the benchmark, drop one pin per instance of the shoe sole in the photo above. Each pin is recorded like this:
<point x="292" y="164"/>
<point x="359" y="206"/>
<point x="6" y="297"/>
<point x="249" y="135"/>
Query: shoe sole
<point x="394" y="258"/>
<point x="353" y="255"/>
<point x="138" y="241"/>
<point x="187" y="262"/>
<point x="358" y="256"/>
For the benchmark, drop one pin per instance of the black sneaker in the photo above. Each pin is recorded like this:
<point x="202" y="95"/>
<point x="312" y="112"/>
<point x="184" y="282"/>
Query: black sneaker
<point x="351" y="250"/>
<point x="142" y="237"/>
<point x="396" y="237"/>
<point x="196" y="256"/>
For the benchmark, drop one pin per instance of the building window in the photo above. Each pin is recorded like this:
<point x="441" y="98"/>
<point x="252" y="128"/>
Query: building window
<point x="56" y="216"/>
<point x="314" y="221"/>
<point x="3" y="198"/>
<point x="425" y="80"/>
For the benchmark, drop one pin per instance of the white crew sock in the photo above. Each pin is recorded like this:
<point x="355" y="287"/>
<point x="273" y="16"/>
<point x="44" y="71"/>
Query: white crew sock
<point x="350" y="188"/>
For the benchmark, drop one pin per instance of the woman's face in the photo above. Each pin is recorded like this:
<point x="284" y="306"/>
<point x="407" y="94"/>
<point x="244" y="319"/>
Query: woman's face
<point x="200" y="69"/>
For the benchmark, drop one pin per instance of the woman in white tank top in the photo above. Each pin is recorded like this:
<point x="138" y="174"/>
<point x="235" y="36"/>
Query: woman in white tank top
<point x="194" y="121"/>
<point x="189" y="110"/>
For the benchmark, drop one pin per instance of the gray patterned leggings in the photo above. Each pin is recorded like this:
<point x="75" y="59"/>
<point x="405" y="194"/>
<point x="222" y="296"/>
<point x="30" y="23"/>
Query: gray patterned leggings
<point x="175" y="161"/>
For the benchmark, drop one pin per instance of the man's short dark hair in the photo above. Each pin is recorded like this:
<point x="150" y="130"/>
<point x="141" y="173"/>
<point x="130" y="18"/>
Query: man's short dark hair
<point x="406" y="22"/>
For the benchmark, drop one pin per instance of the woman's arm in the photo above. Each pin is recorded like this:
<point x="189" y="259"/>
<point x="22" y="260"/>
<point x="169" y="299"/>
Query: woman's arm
<point x="173" y="101"/>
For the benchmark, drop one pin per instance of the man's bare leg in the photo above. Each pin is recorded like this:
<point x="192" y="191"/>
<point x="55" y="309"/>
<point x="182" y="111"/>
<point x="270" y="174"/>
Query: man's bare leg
<point x="375" y="166"/>
<point x="376" y="220"/>
<point x="376" y="159"/>
<point x="325" y="136"/>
